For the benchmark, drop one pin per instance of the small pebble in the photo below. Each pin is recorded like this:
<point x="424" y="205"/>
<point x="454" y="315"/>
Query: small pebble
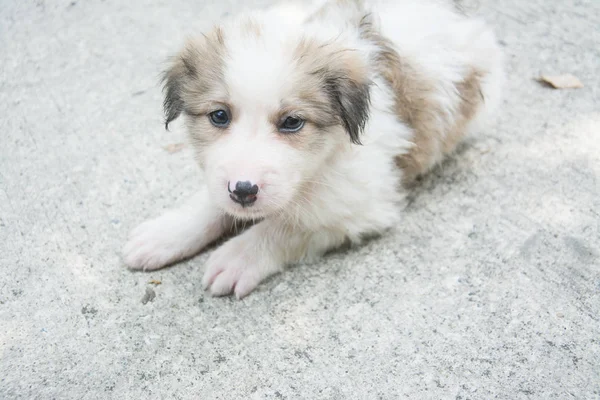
<point x="148" y="296"/>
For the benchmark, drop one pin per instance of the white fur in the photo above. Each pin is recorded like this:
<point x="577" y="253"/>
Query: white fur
<point x="310" y="203"/>
<point x="175" y="235"/>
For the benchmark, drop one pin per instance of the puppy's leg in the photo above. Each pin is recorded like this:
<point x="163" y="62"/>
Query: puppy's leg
<point x="177" y="234"/>
<point x="244" y="261"/>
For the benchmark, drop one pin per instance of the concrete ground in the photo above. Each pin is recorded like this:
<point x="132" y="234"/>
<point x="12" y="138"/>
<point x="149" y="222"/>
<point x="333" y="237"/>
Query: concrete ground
<point x="489" y="289"/>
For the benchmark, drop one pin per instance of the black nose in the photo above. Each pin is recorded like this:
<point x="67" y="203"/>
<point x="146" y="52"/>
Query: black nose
<point x="244" y="193"/>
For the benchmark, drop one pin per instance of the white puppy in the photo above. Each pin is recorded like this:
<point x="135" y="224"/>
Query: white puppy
<point x="307" y="121"/>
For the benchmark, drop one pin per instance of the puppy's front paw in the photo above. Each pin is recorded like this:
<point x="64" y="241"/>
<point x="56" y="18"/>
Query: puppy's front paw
<point x="152" y="245"/>
<point x="167" y="239"/>
<point x="237" y="267"/>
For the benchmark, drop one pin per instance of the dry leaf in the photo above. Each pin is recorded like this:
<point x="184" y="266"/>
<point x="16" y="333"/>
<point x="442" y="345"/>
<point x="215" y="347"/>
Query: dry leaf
<point x="174" y="147"/>
<point x="155" y="282"/>
<point x="566" y="81"/>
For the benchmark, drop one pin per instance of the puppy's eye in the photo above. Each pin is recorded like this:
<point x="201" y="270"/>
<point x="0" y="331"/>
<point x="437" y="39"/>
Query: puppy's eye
<point x="219" y="118"/>
<point x="291" y="125"/>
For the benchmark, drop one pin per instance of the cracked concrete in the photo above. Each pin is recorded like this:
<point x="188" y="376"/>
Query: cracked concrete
<point x="489" y="289"/>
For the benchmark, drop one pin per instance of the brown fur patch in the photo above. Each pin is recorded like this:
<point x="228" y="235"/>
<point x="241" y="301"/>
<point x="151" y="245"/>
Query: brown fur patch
<point x="471" y="98"/>
<point x="195" y="77"/>
<point x="332" y="86"/>
<point x="329" y="89"/>
<point x="435" y="132"/>
<point x="433" y="142"/>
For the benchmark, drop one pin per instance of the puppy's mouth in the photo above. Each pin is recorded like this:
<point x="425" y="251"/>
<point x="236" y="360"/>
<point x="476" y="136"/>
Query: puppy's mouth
<point x="244" y="201"/>
<point x="244" y="211"/>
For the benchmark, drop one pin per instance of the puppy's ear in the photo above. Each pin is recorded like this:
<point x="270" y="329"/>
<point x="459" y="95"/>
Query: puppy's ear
<point x="344" y="79"/>
<point x="350" y="97"/>
<point x="174" y="81"/>
<point x="193" y="72"/>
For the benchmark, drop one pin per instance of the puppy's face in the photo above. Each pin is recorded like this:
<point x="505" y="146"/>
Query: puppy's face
<point x="265" y="111"/>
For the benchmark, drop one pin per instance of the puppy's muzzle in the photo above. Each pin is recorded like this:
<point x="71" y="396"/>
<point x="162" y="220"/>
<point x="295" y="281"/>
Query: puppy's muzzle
<point x="244" y="193"/>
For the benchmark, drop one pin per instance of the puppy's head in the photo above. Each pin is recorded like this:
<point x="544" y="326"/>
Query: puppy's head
<point x="266" y="107"/>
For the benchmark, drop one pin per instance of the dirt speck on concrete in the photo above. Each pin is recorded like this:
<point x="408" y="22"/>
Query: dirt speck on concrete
<point x="150" y="295"/>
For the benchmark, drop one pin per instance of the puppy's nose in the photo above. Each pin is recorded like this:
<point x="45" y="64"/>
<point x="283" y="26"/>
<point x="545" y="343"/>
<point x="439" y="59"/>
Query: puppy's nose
<point x="244" y="192"/>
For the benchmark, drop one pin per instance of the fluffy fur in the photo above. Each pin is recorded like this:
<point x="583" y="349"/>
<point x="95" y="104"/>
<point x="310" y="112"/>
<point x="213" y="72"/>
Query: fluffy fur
<point x="386" y="90"/>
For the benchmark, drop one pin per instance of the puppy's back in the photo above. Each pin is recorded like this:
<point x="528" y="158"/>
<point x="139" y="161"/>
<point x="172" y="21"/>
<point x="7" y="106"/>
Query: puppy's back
<point x="446" y="72"/>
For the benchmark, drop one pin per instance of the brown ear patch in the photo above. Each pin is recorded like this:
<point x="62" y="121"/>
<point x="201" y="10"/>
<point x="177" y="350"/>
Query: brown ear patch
<point x="334" y="85"/>
<point x="350" y="100"/>
<point x="193" y="74"/>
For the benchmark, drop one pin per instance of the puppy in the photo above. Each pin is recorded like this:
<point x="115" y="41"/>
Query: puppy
<point x="308" y="121"/>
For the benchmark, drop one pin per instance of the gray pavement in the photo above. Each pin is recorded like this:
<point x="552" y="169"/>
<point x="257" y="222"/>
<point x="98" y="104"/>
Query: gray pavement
<point x="489" y="289"/>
